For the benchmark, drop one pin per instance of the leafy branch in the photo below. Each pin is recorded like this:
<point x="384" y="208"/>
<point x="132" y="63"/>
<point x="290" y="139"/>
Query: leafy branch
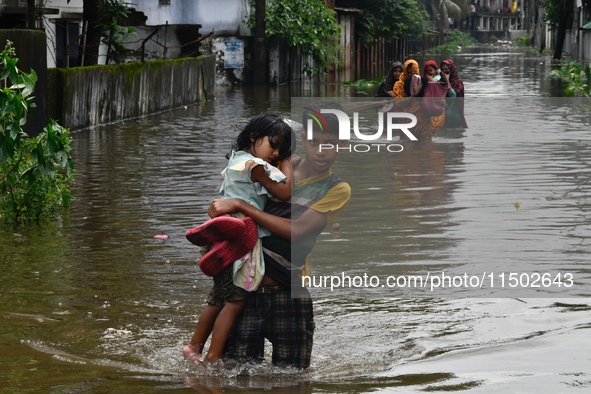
<point x="306" y="24"/>
<point x="35" y="172"/>
<point x="115" y="36"/>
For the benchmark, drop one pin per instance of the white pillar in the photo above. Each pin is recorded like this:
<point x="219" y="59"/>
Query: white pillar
<point x="50" y="47"/>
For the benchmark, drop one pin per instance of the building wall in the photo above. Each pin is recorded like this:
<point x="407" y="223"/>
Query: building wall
<point x="225" y="16"/>
<point x="568" y="39"/>
<point x="586" y="42"/>
<point x="584" y="54"/>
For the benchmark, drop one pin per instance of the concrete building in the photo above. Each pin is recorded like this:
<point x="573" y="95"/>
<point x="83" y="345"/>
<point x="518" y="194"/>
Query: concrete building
<point x="581" y="33"/>
<point x="62" y="22"/>
<point x="503" y="19"/>
<point x="164" y="28"/>
<point x="185" y="28"/>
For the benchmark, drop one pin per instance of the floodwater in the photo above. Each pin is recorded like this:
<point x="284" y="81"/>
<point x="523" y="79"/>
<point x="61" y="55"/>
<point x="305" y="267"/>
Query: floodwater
<point x="506" y="195"/>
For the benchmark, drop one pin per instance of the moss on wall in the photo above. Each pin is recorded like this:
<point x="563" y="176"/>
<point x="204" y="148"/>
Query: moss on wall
<point x="87" y="96"/>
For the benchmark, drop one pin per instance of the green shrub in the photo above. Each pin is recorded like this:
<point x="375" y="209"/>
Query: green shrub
<point x="364" y="83"/>
<point x="577" y="76"/>
<point x="35" y="172"/>
<point x="460" y="38"/>
<point x="452" y="43"/>
<point x="523" y="41"/>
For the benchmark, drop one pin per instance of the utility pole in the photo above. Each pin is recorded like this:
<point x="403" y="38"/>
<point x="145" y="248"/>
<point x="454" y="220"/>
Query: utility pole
<point x="91" y="15"/>
<point x="259" y="61"/>
<point x="564" y="7"/>
<point x="31" y="14"/>
<point x="575" y="33"/>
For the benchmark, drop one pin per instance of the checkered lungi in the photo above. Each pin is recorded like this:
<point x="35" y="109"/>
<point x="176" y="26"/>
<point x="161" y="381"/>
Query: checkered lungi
<point x="287" y="322"/>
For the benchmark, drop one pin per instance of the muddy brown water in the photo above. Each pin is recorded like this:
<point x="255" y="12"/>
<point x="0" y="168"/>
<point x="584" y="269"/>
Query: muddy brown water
<point x="441" y="206"/>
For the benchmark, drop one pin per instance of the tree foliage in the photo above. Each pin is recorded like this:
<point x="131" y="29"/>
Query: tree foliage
<point x="557" y="10"/>
<point x="440" y="11"/>
<point x="390" y="19"/>
<point x="103" y="17"/>
<point x="114" y="36"/>
<point x="307" y="24"/>
<point x="35" y="172"/>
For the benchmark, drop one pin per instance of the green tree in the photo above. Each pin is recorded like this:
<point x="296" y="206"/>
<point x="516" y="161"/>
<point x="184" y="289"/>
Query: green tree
<point x="114" y="36"/>
<point x="102" y="18"/>
<point x="441" y="10"/>
<point x="306" y="24"/>
<point x="389" y="19"/>
<point x="35" y="172"/>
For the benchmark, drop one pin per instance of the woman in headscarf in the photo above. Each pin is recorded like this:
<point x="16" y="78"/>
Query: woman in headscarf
<point x="430" y="114"/>
<point x="454" y="118"/>
<point x="386" y="88"/>
<point x="435" y="89"/>
<point x="437" y="84"/>
<point x="411" y="75"/>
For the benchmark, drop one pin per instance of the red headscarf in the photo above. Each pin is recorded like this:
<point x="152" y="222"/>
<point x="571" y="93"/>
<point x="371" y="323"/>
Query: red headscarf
<point x="428" y="63"/>
<point x="433" y="89"/>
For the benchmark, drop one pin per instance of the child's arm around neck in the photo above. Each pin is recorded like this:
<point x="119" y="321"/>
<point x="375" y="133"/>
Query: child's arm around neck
<point x="281" y="190"/>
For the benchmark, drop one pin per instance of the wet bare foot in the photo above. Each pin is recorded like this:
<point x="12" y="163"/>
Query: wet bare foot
<point x="192" y="353"/>
<point x="213" y="363"/>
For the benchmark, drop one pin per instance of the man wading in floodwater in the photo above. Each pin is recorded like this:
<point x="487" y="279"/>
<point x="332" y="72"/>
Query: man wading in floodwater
<point x="281" y="309"/>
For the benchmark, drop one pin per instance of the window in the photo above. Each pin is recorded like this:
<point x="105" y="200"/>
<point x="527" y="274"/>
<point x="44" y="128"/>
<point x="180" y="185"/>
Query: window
<point x="66" y="42"/>
<point x="164" y="2"/>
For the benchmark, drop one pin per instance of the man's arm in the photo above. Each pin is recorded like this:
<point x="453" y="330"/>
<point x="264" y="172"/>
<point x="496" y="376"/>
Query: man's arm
<point x="310" y="221"/>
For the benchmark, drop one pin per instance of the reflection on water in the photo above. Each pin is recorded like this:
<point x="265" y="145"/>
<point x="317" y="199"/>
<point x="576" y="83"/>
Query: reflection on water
<point x="503" y="199"/>
<point x="448" y="204"/>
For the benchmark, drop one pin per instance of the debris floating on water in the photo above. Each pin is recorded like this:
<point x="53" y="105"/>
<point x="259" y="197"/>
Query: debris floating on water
<point x="111" y="331"/>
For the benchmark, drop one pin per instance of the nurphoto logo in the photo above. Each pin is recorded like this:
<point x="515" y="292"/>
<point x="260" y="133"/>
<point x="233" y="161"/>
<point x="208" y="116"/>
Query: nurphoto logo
<point x="392" y="120"/>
